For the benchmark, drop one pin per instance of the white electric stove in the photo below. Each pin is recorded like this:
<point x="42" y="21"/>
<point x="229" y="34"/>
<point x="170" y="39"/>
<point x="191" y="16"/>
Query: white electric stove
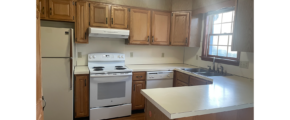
<point x="110" y="86"/>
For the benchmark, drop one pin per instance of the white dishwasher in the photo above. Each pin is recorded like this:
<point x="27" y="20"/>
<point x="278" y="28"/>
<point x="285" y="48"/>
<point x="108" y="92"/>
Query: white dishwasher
<point x="159" y="79"/>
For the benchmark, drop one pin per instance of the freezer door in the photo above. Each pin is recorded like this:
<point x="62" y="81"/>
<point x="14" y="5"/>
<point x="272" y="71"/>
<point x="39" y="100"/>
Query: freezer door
<point x="55" y="42"/>
<point x="56" y="84"/>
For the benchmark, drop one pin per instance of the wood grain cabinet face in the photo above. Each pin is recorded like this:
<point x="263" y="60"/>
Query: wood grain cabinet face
<point x="180" y="28"/>
<point x="43" y="10"/>
<point x="160" y="28"/>
<point x="82" y="22"/>
<point x="139" y="26"/>
<point x="139" y="76"/>
<point x="81" y="94"/>
<point x="197" y="81"/>
<point x="138" y="100"/>
<point x="99" y="15"/>
<point x="119" y="17"/>
<point x="61" y="10"/>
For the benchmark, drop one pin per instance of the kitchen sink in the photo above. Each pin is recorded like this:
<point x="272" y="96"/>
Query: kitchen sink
<point x="194" y="70"/>
<point x="204" y="72"/>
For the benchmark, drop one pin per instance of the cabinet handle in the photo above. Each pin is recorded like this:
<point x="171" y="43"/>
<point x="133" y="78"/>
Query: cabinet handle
<point x="42" y="10"/>
<point x="44" y="103"/>
<point x="148" y="38"/>
<point x="152" y="38"/>
<point x="50" y="11"/>
<point x="112" y="20"/>
<point x="106" y="20"/>
<point x="134" y="86"/>
<point x="186" y="40"/>
<point x="85" y="35"/>
<point x="85" y="82"/>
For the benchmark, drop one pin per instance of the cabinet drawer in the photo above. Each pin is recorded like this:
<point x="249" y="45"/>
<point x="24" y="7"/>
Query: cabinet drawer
<point x="182" y="77"/>
<point x="197" y="81"/>
<point x="180" y="83"/>
<point x="139" y="76"/>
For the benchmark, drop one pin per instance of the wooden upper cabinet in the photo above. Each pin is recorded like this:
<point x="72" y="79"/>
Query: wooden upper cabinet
<point x="138" y="100"/>
<point x="180" y="28"/>
<point x="139" y="26"/>
<point x="99" y="15"/>
<point x="243" y="33"/>
<point x="160" y="28"/>
<point x="82" y="22"/>
<point x="81" y="93"/>
<point x="43" y="10"/>
<point x="119" y="17"/>
<point x="61" y="10"/>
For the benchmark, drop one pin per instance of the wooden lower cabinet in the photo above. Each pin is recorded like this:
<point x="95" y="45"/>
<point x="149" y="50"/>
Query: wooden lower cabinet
<point x="81" y="96"/>
<point x="182" y="79"/>
<point x="138" y="100"/>
<point x="153" y="113"/>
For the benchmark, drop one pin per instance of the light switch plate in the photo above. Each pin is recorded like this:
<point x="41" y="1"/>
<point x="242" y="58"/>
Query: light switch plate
<point x="79" y="54"/>
<point x="162" y="55"/>
<point x="131" y="54"/>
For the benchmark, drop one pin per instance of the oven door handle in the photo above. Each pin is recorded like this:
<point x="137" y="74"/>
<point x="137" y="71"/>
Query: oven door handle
<point x="107" y="81"/>
<point x="97" y="76"/>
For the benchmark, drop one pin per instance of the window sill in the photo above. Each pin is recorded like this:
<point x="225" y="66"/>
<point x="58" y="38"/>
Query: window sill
<point x="221" y="60"/>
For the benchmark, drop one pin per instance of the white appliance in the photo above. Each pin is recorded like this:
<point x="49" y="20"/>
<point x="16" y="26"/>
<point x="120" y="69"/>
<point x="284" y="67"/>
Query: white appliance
<point x="110" y="86"/>
<point x="108" y="33"/>
<point x="57" y="72"/>
<point x="159" y="79"/>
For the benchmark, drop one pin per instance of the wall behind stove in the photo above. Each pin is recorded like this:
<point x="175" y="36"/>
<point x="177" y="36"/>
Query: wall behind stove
<point x="142" y="54"/>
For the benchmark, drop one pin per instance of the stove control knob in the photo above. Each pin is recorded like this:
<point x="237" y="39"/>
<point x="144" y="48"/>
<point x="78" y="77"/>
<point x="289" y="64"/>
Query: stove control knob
<point x="121" y="56"/>
<point x="90" y="57"/>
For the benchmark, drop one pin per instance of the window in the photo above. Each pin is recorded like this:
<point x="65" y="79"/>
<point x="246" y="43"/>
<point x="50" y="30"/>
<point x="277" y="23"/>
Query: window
<point x="218" y="37"/>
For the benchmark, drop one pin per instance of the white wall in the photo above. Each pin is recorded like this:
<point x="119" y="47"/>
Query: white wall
<point x="142" y="54"/>
<point x="191" y="56"/>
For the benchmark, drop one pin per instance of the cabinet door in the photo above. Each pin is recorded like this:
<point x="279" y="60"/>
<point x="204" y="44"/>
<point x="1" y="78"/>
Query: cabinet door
<point x="160" y="28"/>
<point x="99" y="15"/>
<point x="82" y="22"/>
<point x="81" y="95"/>
<point x="180" y="83"/>
<point x="61" y="10"/>
<point x="197" y="81"/>
<point x="139" y="26"/>
<point x="138" y="101"/>
<point x="119" y="17"/>
<point x="43" y="10"/>
<point x="243" y="33"/>
<point x="180" y="28"/>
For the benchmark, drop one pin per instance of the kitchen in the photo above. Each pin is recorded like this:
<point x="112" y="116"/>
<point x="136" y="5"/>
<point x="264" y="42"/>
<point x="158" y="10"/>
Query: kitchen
<point x="144" y="60"/>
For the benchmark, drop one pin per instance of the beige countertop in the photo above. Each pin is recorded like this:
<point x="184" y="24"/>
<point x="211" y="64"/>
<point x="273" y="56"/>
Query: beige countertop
<point x="225" y="94"/>
<point x="157" y="67"/>
<point x="81" y="70"/>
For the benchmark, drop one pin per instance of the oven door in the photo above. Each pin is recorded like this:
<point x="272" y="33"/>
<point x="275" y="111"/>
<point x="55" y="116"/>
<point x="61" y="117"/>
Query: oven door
<point x="110" y="90"/>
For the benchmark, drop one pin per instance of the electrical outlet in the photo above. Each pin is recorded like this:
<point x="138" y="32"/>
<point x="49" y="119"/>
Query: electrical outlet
<point x="244" y="64"/>
<point x="162" y="55"/>
<point x="131" y="54"/>
<point x="79" y="54"/>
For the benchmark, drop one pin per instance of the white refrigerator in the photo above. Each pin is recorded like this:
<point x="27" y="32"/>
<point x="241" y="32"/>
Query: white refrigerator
<point x="57" y="72"/>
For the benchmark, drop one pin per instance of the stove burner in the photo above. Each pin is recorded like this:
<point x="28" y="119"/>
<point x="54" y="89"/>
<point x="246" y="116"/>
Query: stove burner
<point x="98" y="69"/>
<point x="120" y="68"/>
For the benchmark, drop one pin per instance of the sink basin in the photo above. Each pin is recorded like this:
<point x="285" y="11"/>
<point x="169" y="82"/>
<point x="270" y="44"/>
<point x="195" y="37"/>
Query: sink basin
<point x="210" y="74"/>
<point x="195" y="70"/>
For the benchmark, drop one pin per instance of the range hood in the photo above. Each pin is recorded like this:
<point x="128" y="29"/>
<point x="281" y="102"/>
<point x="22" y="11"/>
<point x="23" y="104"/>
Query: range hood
<point x="108" y="33"/>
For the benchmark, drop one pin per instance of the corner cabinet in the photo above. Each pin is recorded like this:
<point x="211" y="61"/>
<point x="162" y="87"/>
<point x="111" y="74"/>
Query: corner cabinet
<point x="139" y="82"/>
<point x="180" y="28"/>
<point x="160" y="28"/>
<point x="181" y="79"/>
<point x="243" y="33"/>
<point x="82" y="22"/>
<point x="139" y="26"/>
<point x="99" y="15"/>
<point x="81" y="96"/>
